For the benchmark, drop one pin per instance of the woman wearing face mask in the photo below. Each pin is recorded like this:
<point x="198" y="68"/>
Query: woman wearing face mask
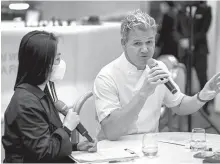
<point x="33" y="130"/>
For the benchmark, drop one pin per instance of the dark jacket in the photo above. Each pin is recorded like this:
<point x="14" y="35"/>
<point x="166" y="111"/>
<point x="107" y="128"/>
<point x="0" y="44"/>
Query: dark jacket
<point x="166" y="40"/>
<point x="33" y="130"/>
<point x="201" y="22"/>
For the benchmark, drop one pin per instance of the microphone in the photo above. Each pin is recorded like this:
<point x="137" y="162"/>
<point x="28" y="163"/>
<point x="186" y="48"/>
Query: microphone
<point x="152" y="63"/>
<point x="62" y="108"/>
<point x="81" y="129"/>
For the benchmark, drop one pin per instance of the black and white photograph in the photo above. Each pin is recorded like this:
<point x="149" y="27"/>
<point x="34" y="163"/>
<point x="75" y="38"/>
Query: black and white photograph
<point x="100" y="82"/>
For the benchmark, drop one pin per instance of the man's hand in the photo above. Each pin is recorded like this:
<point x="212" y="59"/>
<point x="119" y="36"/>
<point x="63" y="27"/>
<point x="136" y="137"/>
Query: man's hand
<point x="155" y="77"/>
<point x="211" y="89"/>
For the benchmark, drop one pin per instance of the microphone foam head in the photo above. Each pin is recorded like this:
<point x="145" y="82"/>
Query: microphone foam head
<point x="60" y="105"/>
<point x="151" y="63"/>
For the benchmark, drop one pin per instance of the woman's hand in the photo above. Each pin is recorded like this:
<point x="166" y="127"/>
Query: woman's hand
<point x="87" y="146"/>
<point x="71" y="120"/>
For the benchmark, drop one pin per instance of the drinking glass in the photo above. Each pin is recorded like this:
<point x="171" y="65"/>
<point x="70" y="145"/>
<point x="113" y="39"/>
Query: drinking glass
<point x="198" y="140"/>
<point x="150" y="145"/>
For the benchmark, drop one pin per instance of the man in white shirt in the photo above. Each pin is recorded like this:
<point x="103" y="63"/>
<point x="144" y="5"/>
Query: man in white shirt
<point x="129" y="95"/>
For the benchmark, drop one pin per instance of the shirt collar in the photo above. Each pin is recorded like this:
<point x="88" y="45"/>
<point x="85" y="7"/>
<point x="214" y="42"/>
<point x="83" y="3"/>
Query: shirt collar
<point x="33" y="89"/>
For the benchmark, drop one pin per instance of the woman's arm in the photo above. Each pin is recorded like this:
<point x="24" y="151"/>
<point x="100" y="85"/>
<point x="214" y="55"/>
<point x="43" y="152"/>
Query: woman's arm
<point x="34" y="127"/>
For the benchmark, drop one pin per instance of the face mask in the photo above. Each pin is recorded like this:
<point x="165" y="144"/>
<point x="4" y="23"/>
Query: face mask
<point x="58" y="71"/>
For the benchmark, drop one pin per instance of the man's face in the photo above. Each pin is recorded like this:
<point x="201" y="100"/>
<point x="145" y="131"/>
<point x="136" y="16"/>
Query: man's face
<point x="140" y="46"/>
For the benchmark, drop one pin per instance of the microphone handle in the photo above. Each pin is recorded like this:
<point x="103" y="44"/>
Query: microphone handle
<point x="171" y="87"/>
<point x="168" y="84"/>
<point x="89" y="138"/>
<point x="80" y="128"/>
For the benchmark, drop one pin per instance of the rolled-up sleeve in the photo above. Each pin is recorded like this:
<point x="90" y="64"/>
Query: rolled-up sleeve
<point x="106" y="96"/>
<point x="171" y="100"/>
<point x="36" y="136"/>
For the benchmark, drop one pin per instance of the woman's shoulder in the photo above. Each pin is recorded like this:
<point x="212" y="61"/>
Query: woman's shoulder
<point x="22" y="103"/>
<point x="23" y="94"/>
<point x="24" y="99"/>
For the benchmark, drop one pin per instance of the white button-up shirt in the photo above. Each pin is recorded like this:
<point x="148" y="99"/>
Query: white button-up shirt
<point x="119" y="81"/>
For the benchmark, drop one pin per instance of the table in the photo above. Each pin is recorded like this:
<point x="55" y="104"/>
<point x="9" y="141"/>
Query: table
<point x="168" y="153"/>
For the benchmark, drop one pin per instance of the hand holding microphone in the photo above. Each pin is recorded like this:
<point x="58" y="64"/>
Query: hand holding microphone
<point x="155" y="77"/>
<point x="62" y="107"/>
<point x="70" y="121"/>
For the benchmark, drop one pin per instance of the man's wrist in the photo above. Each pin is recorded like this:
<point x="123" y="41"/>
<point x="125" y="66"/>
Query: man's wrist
<point x="143" y="94"/>
<point x="201" y="100"/>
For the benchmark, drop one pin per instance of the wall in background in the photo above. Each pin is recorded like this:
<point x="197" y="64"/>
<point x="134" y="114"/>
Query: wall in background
<point x="77" y="9"/>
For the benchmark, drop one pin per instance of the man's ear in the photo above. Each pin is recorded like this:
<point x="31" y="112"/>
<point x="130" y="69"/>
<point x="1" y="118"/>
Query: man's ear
<point x="123" y="42"/>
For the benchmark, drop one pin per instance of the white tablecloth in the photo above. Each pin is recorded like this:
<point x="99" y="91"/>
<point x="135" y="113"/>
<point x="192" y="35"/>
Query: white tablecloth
<point x="167" y="153"/>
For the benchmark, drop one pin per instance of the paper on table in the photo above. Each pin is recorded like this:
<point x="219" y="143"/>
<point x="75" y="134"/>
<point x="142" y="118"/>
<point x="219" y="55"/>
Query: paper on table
<point x="102" y="155"/>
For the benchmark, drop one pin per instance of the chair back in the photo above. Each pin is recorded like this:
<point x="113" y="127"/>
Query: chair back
<point x="85" y="108"/>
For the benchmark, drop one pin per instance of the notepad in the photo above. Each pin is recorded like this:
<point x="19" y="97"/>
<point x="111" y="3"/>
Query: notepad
<point x="102" y="155"/>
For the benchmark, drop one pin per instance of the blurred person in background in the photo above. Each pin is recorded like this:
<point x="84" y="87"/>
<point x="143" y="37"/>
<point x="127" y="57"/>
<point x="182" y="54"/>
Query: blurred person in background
<point x="129" y="95"/>
<point x="201" y="19"/>
<point x="166" y="44"/>
<point x="33" y="129"/>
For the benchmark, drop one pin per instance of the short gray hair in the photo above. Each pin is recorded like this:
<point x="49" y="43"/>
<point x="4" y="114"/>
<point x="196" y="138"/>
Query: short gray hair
<point x="136" y="18"/>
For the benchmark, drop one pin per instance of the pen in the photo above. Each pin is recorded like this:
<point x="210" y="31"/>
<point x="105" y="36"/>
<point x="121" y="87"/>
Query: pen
<point x="172" y="143"/>
<point x="121" y="160"/>
<point x="130" y="151"/>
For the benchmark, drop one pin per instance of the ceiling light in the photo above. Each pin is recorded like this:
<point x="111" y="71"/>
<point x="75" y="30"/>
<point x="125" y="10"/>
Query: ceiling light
<point x="19" y="6"/>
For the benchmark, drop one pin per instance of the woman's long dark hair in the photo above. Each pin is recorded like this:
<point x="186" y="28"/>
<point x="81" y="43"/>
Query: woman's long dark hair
<point x="36" y="55"/>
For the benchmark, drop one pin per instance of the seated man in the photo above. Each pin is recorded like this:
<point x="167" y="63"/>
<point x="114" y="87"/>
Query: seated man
<point x="129" y="95"/>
